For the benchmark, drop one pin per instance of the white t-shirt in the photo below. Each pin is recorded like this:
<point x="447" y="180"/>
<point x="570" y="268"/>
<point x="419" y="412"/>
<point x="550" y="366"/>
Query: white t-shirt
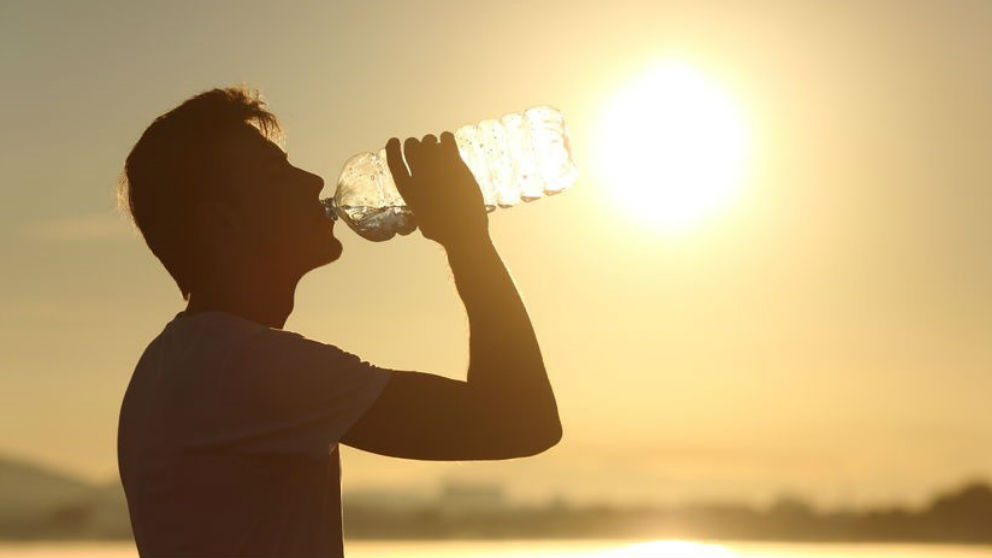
<point x="228" y="439"/>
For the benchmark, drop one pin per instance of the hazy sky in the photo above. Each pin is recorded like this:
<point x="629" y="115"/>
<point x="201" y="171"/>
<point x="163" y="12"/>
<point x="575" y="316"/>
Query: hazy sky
<point x="827" y="334"/>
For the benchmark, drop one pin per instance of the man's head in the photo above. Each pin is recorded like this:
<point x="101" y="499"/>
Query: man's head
<point x="216" y="199"/>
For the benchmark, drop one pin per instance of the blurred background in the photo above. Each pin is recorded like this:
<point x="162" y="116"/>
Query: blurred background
<point x="769" y="291"/>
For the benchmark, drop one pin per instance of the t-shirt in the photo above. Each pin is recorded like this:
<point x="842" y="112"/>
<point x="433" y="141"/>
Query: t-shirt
<point x="228" y="439"/>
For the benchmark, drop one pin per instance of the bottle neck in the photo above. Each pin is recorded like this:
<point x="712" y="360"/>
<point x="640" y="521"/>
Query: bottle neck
<point x="330" y="208"/>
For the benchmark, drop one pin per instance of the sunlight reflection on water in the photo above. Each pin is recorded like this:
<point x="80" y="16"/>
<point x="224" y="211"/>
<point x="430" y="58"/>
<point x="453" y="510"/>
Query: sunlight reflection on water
<point x="552" y="548"/>
<point x="674" y="549"/>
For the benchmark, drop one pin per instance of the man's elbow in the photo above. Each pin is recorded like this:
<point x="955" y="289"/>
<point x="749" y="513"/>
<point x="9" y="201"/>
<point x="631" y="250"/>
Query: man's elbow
<point x="553" y="436"/>
<point x="519" y="433"/>
<point x="541" y="440"/>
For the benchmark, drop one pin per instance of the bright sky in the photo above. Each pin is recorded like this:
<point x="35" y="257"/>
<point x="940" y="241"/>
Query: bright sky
<point x="824" y="331"/>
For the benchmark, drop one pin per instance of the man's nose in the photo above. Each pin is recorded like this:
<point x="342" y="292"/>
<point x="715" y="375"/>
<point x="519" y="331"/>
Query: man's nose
<point x="315" y="182"/>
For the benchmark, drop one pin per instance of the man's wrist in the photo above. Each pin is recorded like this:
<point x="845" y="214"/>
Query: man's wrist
<point x="477" y="243"/>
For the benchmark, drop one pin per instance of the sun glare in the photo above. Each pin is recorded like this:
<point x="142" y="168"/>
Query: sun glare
<point x="668" y="549"/>
<point x="673" y="146"/>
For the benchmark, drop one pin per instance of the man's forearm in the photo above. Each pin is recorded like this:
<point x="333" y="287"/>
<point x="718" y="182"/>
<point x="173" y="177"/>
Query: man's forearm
<point x="505" y="358"/>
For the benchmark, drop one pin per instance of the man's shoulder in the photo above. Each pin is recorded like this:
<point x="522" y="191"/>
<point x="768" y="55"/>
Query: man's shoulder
<point x="219" y="346"/>
<point x="212" y="321"/>
<point x="215" y="325"/>
<point x="190" y="342"/>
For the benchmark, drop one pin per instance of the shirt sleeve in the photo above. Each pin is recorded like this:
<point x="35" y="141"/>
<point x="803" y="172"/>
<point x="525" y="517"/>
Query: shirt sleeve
<point x="283" y="393"/>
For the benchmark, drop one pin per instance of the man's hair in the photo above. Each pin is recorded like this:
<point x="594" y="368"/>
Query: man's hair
<point x="176" y="163"/>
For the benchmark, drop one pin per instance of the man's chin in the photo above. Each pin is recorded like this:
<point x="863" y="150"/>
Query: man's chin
<point x="332" y="253"/>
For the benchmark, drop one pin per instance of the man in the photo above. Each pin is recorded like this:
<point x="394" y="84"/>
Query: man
<point x="229" y="430"/>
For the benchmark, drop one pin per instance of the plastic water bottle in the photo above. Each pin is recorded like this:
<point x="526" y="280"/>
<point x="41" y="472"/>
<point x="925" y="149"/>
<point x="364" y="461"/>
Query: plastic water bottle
<point x="519" y="157"/>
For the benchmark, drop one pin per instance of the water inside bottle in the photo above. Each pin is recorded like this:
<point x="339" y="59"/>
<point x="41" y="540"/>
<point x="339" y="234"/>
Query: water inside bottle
<point x="373" y="223"/>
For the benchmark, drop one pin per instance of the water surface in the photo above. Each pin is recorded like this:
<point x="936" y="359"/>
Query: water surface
<point x="553" y="548"/>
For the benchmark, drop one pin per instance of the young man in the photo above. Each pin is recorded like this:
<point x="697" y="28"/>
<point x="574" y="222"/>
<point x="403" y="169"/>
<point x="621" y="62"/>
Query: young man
<point x="229" y="430"/>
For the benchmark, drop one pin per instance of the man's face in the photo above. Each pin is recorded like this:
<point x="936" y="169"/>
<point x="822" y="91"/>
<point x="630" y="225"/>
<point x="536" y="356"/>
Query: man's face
<point x="277" y="206"/>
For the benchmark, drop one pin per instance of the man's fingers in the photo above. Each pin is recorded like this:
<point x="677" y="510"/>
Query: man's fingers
<point x="429" y="139"/>
<point x="401" y="176"/>
<point x="448" y="143"/>
<point x="394" y="159"/>
<point x="411" y="148"/>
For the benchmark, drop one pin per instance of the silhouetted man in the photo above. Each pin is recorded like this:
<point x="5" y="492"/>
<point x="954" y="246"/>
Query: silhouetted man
<point x="229" y="430"/>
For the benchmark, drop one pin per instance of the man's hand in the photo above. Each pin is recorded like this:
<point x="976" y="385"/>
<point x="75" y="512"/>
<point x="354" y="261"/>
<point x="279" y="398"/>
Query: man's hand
<point x="440" y="190"/>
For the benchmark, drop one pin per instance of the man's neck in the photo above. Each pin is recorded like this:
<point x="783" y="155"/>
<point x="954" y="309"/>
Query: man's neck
<point x="268" y="303"/>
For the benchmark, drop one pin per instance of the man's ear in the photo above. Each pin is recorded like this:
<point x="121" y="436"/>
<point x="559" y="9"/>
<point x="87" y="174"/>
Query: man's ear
<point x="213" y="220"/>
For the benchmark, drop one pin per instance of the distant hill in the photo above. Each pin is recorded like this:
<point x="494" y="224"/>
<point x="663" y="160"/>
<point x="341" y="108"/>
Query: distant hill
<point x="28" y="488"/>
<point x="36" y="502"/>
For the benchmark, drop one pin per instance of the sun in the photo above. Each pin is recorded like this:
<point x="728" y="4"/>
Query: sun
<point x="672" y="147"/>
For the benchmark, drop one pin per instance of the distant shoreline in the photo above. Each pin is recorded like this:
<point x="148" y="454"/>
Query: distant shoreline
<point x="39" y="505"/>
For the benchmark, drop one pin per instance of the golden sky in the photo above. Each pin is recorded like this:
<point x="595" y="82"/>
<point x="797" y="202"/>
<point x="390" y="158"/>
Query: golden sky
<point x="827" y="332"/>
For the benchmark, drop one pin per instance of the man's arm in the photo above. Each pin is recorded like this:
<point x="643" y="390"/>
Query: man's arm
<point x="506" y="408"/>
